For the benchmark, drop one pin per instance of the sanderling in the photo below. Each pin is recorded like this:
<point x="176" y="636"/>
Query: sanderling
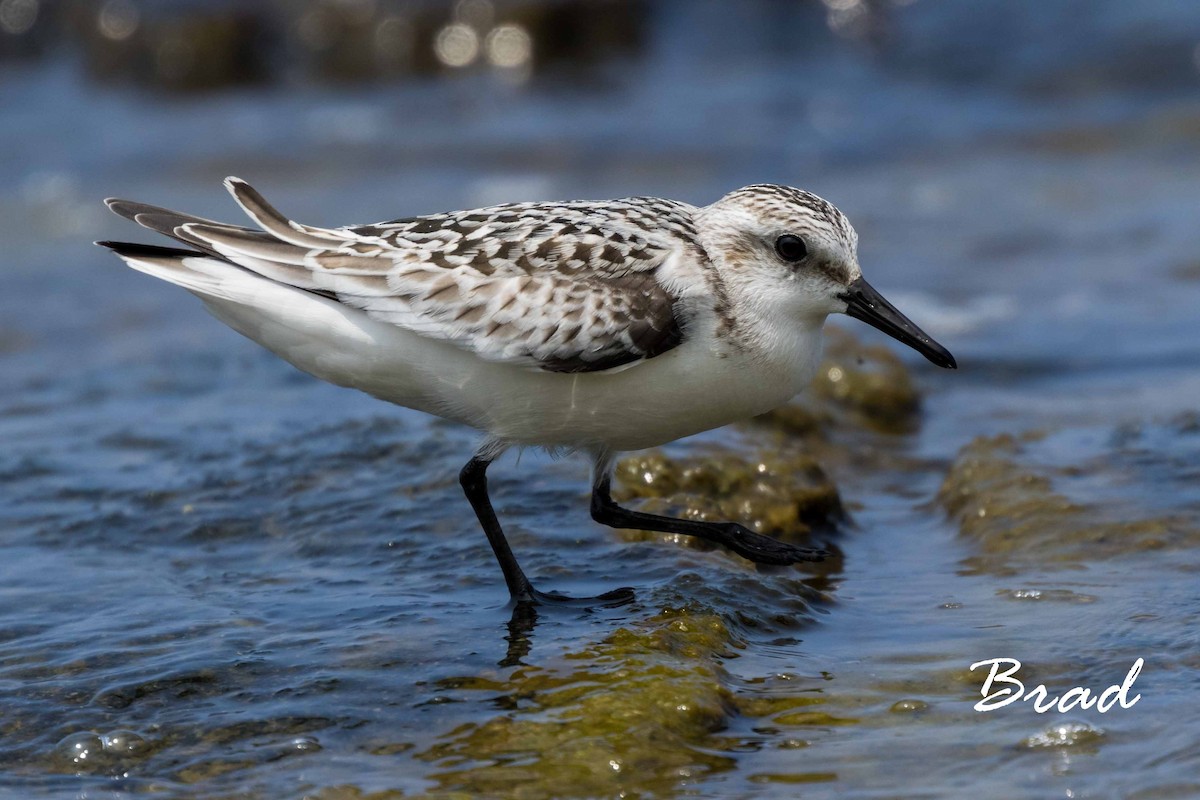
<point x="586" y="326"/>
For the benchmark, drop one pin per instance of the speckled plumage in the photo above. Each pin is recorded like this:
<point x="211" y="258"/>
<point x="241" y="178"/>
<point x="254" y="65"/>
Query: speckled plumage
<point x="589" y="289"/>
<point x="564" y="287"/>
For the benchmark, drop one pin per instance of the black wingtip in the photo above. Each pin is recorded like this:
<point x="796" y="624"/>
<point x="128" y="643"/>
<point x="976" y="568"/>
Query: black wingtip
<point x="136" y="249"/>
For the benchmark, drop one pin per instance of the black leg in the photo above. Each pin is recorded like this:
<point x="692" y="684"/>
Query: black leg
<point x="741" y="540"/>
<point x="473" y="478"/>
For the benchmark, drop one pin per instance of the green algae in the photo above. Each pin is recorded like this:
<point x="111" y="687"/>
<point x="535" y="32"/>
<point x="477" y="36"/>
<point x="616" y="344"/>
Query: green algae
<point x="781" y="494"/>
<point x="1011" y="498"/>
<point x="354" y="793"/>
<point x="774" y="705"/>
<point x="856" y="386"/>
<point x="868" y="383"/>
<point x="642" y="712"/>
<point x="631" y="713"/>
<point x="817" y="718"/>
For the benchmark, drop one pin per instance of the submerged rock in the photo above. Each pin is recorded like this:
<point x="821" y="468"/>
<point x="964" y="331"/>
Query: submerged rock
<point x="857" y="385"/>
<point x="100" y="753"/>
<point x="782" y="494"/>
<point x="1033" y="498"/>
<point x="639" y="711"/>
<point x="626" y="713"/>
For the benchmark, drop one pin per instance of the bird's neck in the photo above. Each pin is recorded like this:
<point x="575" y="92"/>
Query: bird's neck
<point x="791" y="347"/>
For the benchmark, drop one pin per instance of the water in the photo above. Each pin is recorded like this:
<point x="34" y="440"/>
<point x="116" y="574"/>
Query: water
<point x="222" y="578"/>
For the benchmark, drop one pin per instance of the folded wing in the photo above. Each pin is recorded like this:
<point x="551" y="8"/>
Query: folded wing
<point x="570" y="287"/>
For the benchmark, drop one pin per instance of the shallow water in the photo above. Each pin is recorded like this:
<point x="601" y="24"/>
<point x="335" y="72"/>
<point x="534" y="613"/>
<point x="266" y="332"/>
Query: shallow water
<point x="222" y="578"/>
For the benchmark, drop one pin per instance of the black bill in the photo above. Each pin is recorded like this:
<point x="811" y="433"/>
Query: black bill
<point x="863" y="302"/>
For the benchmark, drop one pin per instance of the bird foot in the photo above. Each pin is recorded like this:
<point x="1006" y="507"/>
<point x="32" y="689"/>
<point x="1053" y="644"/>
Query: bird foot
<point x="530" y="595"/>
<point x="765" y="550"/>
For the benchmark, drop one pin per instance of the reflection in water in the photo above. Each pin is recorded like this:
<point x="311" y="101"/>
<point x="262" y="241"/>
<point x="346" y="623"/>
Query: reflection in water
<point x="520" y="631"/>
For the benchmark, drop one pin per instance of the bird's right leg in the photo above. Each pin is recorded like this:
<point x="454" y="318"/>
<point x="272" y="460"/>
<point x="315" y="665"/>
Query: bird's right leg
<point x="473" y="478"/>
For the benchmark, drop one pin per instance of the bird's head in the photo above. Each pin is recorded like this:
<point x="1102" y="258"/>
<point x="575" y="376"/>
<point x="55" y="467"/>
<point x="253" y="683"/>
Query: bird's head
<point x="796" y="252"/>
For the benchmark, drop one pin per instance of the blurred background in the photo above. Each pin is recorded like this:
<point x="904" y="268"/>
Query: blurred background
<point x="225" y="579"/>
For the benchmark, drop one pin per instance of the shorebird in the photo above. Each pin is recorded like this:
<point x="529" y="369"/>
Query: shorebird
<point x="597" y="327"/>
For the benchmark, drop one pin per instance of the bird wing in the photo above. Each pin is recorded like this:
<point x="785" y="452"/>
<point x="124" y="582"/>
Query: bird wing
<point x="565" y="287"/>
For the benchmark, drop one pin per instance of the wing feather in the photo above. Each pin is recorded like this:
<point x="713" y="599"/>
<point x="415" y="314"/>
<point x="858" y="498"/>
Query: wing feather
<point x="565" y="287"/>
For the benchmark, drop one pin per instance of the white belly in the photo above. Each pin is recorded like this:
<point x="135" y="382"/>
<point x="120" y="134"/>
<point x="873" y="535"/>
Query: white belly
<point x="677" y="394"/>
<point x="682" y="392"/>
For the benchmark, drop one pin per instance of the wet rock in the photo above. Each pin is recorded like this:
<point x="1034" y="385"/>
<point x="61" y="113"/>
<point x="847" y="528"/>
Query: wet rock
<point x="857" y="385"/>
<point x="909" y="707"/>
<point x="1075" y="495"/>
<point x="102" y="753"/>
<point x="630" y="713"/>
<point x="1067" y="733"/>
<point x="783" y="494"/>
<point x="635" y="712"/>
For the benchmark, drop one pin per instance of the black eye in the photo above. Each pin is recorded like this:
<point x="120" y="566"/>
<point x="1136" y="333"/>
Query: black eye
<point x="791" y="248"/>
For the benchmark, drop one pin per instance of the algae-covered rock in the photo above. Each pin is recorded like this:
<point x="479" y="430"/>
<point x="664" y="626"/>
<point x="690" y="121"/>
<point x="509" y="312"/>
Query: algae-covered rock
<point x="869" y="382"/>
<point x="856" y="385"/>
<point x="632" y="712"/>
<point x="1018" y="498"/>
<point x="783" y="494"/>
<point x="643" y="712"/>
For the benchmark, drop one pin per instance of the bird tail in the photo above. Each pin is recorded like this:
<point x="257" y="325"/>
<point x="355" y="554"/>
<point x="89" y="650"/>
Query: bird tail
<point x="269" y="301"/>
<point x="198" y="272"/>
<point x="278" y="249"/>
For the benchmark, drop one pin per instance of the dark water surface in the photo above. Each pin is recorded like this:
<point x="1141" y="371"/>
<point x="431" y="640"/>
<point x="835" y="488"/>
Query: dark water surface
<point x="221" y="578"/>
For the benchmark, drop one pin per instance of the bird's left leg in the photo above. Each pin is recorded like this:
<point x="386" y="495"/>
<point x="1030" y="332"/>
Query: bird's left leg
<point x="738" y="538"/>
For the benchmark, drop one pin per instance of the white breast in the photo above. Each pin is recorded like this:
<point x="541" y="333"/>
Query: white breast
<point x="701" y="384"/>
